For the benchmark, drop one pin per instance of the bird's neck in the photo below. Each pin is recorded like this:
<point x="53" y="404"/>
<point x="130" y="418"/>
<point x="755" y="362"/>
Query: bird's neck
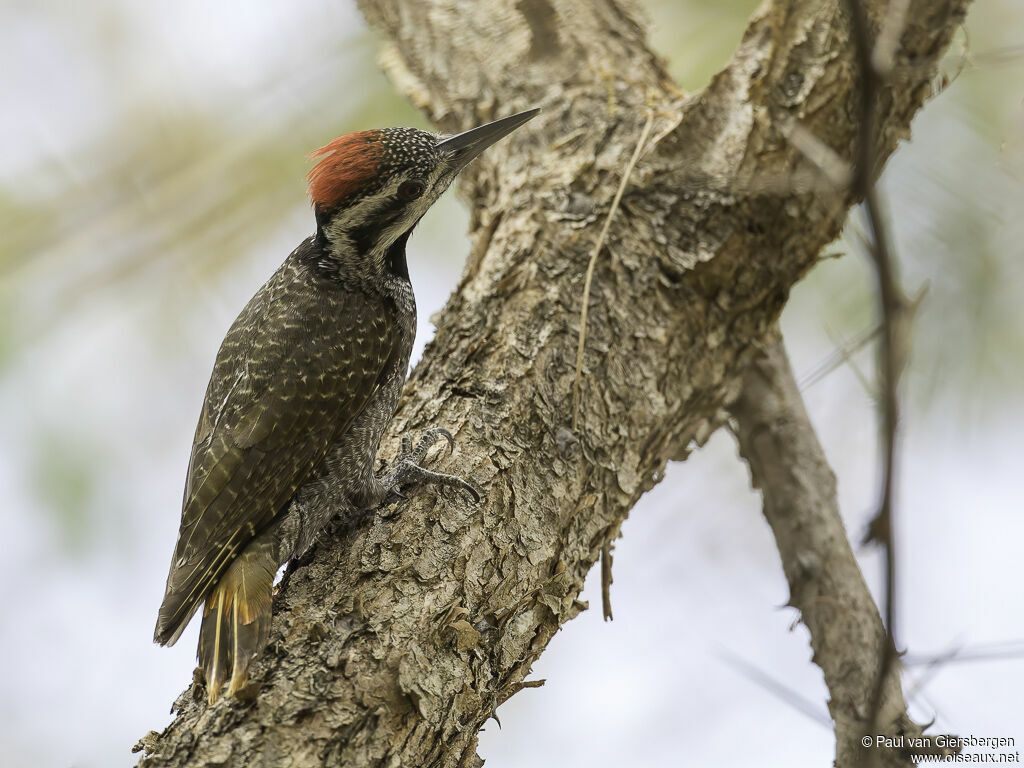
<point x="347" y="258"/>
<point x="386" y="273"/>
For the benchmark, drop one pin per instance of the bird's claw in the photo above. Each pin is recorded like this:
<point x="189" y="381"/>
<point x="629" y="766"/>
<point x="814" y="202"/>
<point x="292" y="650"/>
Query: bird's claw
<point x="407" y="469"/>
<point x="408" y="473"/>
<point x="426" y="443"/>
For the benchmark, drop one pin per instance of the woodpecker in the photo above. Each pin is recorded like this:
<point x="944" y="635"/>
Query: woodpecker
<point x="303" y="386"/>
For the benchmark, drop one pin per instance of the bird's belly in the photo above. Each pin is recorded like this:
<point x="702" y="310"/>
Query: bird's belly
<point x="351" y="460"/>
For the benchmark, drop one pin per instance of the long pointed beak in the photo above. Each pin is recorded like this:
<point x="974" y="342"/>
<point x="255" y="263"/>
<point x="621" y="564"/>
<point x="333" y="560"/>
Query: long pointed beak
<point x="463" y="147"/>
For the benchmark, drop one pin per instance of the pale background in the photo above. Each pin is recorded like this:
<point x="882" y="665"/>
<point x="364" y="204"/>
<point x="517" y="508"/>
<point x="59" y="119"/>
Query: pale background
<point x="151" y="177"/>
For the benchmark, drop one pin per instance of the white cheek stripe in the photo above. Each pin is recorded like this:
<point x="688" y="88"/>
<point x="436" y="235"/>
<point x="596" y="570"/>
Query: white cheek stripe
<point x="362" y="211"/>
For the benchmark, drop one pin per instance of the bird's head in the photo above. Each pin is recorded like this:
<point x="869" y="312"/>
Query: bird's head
<point x="370" y="188"/>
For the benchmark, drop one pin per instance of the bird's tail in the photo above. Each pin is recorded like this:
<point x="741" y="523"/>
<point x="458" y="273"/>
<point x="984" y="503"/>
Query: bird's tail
<point x="236" y="620"/>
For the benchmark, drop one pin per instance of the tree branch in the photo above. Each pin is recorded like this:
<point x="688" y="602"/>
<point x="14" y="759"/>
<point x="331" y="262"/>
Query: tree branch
<point x="396" y="641"/>
<point x="894" y="342"/>
<point x="799" y="492"/>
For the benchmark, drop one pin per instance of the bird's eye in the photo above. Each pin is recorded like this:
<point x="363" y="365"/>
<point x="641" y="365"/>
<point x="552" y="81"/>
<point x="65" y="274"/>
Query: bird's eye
<point x="410" y="190"/>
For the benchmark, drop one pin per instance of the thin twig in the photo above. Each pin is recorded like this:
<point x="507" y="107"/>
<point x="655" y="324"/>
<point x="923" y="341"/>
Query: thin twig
<point x="963" y="654"/>
<point x="820" y="154"/>
<point x="845" y="350"/>
<point x="843" y="353"/>
<point x="593" y="261"/>
<point x="883" y="58"/>
<point x="606" y="580"/>
<point x="890" y="351"/>
<point x="776" y="688"/>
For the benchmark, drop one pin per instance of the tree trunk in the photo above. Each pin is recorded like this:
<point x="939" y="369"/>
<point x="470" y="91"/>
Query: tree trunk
<point x="398" y="638"/>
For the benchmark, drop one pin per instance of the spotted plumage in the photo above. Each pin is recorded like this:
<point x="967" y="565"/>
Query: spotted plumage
<point x="304" y="384"/>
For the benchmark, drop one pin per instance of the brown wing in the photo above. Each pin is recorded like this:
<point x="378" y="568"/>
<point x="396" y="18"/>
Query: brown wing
<point x="296" y="368"/>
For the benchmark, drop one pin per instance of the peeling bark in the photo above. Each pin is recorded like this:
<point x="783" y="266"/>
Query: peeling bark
<point x="397" y="639"/>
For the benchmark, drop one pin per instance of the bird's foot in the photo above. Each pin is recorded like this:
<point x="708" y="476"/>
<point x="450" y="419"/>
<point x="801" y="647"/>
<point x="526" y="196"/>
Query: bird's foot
<point x="407" y="471"/>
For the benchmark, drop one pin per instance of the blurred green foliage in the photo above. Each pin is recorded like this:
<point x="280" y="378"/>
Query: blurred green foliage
<point x="64" y="479"/>
<point x="697" y="38"/>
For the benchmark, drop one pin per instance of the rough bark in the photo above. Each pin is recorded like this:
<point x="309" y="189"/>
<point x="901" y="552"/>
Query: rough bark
<point x="397" y="639"/>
